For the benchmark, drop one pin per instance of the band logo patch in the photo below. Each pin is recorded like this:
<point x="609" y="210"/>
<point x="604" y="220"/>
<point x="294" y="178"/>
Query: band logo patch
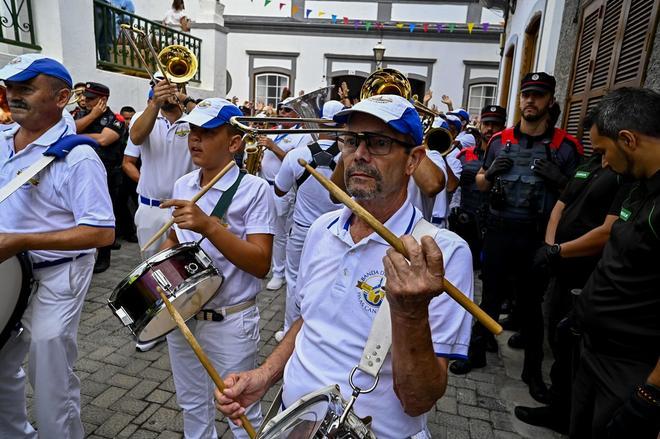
<point x="625" y="214"/>
<point x="182" y="132"/>
<point x="370" y="290"/>
<point x="582" y="174"/>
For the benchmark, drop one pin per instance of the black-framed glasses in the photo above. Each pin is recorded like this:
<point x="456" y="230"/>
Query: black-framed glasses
<point x="377" y="144"/>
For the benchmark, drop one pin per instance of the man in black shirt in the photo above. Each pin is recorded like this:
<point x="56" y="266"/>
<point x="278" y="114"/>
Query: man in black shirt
<point x="97" y="121"/>
<point x="618" y="311"/>
<point x="577" y="231"/>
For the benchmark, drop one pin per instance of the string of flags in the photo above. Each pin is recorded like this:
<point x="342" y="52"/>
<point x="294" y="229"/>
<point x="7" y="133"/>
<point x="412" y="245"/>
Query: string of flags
<point x="379" y="25"/>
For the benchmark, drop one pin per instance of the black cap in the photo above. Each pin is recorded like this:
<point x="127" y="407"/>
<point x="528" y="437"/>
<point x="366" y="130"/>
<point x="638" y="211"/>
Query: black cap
<point x="538" y="81"/>
<point x="94" y="89"/>
<point x="493" y="113"/>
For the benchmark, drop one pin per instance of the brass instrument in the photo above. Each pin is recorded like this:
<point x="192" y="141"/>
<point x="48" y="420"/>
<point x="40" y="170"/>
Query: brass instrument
<point x="391" y="81"/>
<point x="254" y="152"/>
<point x="76" y="95"/>
<point x="439" y="138"/>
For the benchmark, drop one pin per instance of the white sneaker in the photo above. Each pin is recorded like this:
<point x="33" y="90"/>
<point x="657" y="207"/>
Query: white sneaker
<point x="275" y="283"/>
<point x="144" y="347"/>
<point x="279" y="336"/>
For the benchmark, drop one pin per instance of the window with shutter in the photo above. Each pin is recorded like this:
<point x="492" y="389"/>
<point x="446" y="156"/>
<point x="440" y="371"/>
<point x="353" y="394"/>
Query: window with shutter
<point x="612" y="51"/>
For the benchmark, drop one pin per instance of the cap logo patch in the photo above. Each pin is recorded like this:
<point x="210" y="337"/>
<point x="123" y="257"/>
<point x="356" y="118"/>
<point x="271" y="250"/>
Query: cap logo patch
<point x="493" y="109"/>
<point x="15" y="60"/>
<point x="380" y="99"/>
<point x="535" y="77"/>
<point x="204" y="104"/>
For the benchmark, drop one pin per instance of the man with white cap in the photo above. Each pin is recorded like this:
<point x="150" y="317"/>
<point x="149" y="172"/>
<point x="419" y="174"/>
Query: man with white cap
<point x="311" y="201"/>
<point x="58" y="218"/>
<point x="233" y="221"/>
<point x="277" y="147"/>
<point x="340" y="288"/>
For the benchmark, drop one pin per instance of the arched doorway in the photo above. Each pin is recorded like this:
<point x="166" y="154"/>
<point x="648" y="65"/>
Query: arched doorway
<point x="353" y="82"/>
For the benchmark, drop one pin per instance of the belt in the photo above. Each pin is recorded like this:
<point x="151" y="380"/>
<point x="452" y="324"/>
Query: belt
<point x="46" y="264"/>
<point x="437" y="220"/>
<point x="149" y="201"/>
<point x="218" y="315"/>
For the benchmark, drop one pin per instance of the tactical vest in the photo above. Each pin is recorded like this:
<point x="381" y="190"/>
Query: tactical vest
<point x="473" y="200"/>
<point x="525" y="195"/>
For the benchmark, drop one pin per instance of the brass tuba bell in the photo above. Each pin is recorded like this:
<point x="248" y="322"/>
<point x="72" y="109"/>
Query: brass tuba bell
<point x="179" y="62"/>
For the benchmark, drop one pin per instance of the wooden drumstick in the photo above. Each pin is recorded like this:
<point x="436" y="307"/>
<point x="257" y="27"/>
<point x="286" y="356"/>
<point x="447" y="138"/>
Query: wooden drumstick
<point x="395" y="242"/>
<point x="203" y="358"/>
<point x="194" y="199"/>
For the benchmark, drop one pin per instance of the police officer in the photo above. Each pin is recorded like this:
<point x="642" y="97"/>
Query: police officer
<point x="525" y="168"/>
<point x="97" y="121"/>
<point x="619" y="308"/>
<point x="468" y="220"/>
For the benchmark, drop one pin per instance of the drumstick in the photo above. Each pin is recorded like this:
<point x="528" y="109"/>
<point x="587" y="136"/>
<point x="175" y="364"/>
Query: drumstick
<point x="203" y="358"/>
<point x="194" y="199"/>
<point x="395" y="242"/>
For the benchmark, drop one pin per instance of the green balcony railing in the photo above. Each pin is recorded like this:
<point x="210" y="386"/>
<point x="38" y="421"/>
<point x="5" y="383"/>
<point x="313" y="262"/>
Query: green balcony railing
<point x="16" y="23"/>
<point x="114" y="53"/>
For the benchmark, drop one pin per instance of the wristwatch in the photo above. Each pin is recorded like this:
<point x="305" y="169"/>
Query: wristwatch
<point x="554" y="250"/>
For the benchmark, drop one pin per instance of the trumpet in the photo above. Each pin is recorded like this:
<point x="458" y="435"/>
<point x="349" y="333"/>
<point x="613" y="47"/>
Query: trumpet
<point x="439" y="138"/>
<point x="76" y="95"/>
<point x="254" y="152"/>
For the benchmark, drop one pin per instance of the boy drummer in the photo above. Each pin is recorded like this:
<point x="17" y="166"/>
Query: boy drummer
<point x="240" y="244"/>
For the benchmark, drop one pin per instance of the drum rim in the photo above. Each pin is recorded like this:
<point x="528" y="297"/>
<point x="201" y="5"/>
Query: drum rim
<point x="23" y="297"/>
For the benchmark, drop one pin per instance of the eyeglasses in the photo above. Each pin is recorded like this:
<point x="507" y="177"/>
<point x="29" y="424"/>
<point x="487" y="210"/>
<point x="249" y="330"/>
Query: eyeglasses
<point x="377" y="144"/>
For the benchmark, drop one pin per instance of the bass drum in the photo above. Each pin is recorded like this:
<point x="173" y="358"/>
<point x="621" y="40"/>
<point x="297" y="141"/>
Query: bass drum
<point x="16" y="275"/>
<point x="313" y="415"/>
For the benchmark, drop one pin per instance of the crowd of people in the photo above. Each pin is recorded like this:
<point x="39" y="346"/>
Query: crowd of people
<point x="521" y="207"/>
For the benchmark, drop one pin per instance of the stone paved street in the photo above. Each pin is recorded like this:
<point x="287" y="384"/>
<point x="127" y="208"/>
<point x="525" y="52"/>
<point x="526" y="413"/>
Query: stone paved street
<point x="128" y="394"/>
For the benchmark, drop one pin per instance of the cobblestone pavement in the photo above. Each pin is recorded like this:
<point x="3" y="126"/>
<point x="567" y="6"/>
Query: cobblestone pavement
<point x="129" y="394"/>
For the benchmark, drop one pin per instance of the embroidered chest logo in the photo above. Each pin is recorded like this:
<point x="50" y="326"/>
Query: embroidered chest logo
<point x="370" y="290"/>
<point x="182" y="132"/>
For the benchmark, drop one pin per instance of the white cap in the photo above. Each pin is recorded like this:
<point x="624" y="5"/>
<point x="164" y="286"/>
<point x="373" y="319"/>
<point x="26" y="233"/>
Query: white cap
<point x="211" y="113"/>
<point x="330" y="108"/>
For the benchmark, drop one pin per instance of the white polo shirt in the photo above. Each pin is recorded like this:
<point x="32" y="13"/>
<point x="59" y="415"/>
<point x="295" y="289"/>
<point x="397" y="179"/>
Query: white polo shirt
<point x="415" y="195"/>
<point x="250" y="212"/>
<point x="270" y="164"/>
<point x="441" y="204"/>
<point x="339" y="292"/>
<point x="312" y="199"/>
<point x="165" y="157"/>
<point x="70" y="192"/>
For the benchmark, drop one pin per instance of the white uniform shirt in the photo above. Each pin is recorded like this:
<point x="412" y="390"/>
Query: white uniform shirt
<point x="339" y="291"/>
<point x="441" y="204"/>
<point x="312" y="199"/>
<point x="70" y="192"/>
<point x="270" y="164"/>
<point x="250" y="212"/>
<point x="165" y="157"/>
<point x="415" y="195"/>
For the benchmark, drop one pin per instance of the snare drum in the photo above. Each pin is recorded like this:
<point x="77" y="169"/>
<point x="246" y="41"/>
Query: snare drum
<point x="184" y="273"/>
<point x="16" y="275"/>
<point x="312" y="416"/>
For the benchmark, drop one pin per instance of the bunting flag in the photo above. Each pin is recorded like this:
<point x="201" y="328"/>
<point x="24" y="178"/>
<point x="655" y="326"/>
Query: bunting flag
<point x="307" y="12"/>
<point x="367" y="25"/>
<point x="452" y="26"/>
<point x="399" y="25"/>
<point x="345" y="20"/>
<point x="380" y="25"/>
<point x="412" y="27"/>
<point x="334" y="19"/>
<point x="321" y="13"/>
<point x="294" y="10"/>
<point x="485" y="26"/>
<point x="439" y="27"/>
<point x="470" y="27"/>
<point x="282" y="5"/>
<point x="357" y="24"/>
<point x="426" y="27"/>
<point x="267" y="2"/>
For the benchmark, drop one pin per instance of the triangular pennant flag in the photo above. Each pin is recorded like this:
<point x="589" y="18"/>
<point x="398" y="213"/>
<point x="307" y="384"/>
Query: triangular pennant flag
<point x="411" y="26"/>
<point x="334" y="19"/>
<point x="470" y="27"/>
<point x="399" y="25"/>
<point x="357" y="24"/>
<point x="307" y="12"/>
<point x="294" y="10"/>
<point x="282" y="5"/>
<point x="452" y="26"/>
<point x="426" y="27"/>
<point x="439" y="27"/>
<point x="267" y="2"/>
<point x="321" y="13"/>
<point x="367" y="24"/>
<point x="485" y="26"/>
<point x="345" y="20"/>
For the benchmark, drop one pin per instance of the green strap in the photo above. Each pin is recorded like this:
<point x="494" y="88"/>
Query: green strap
<point x="225" y="200"/>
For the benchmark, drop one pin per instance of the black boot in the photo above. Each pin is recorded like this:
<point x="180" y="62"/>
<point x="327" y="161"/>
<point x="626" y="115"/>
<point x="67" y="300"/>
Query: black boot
<point x="543" y="417"/>
<point x="102" y="260"/>
<point x="516" y="341"/>
<point x="537" y="388"/>
<point x="476" y="359"/>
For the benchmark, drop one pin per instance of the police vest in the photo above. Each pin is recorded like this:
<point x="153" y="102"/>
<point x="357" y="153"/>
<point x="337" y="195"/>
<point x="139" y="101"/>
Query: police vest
<point x="472" y="199"/>
<point x="525" y="194"/>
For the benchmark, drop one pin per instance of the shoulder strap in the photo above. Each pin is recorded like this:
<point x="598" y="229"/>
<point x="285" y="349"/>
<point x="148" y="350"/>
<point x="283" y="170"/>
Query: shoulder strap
<point x="225" y="200"/>
<point x="560" y="135"/>
<point x="508" y="136"/>
<point x="319" y="158"/>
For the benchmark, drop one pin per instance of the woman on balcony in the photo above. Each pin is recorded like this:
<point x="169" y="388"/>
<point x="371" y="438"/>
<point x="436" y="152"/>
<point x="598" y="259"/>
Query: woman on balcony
<point x="176" y="17"/>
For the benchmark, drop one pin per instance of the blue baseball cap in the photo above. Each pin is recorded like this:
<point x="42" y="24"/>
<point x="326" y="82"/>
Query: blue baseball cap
<point x="395" y="111"/>
<point x="455" y="121"/>
<point x="25" y="67"/>
<point x="211" y="113"/>
<point x="464" y="115"/>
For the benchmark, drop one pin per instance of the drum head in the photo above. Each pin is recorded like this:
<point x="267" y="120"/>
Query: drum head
<point x="15" y="273"/>
<point x="187" y="299"/>
<point x="302" y="422"/>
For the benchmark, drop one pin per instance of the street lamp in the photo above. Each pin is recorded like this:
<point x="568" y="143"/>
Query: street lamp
<point x="379" y="54"/>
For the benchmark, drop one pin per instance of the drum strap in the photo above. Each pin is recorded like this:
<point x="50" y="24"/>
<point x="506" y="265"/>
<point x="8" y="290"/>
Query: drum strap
<point x="225" y="199"/>
<point x="380" y="337"/>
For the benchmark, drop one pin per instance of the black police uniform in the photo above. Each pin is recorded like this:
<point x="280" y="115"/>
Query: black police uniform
<point x="617" y="314"/>
<point x="520" y="204"/>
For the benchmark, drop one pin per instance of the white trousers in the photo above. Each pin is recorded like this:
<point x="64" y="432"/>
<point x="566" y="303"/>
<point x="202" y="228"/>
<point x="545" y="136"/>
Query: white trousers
<point x="231" y="345"/>
<point x="284" y="213"/>
<point x="148" y="220"/>
<point x="49" y="338"/>
<point x="294" y="246"/>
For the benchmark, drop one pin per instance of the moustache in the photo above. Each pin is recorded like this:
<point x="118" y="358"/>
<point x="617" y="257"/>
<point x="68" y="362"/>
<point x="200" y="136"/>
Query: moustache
<point x="363" y="169"/>
<point x="18" y="104"/>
